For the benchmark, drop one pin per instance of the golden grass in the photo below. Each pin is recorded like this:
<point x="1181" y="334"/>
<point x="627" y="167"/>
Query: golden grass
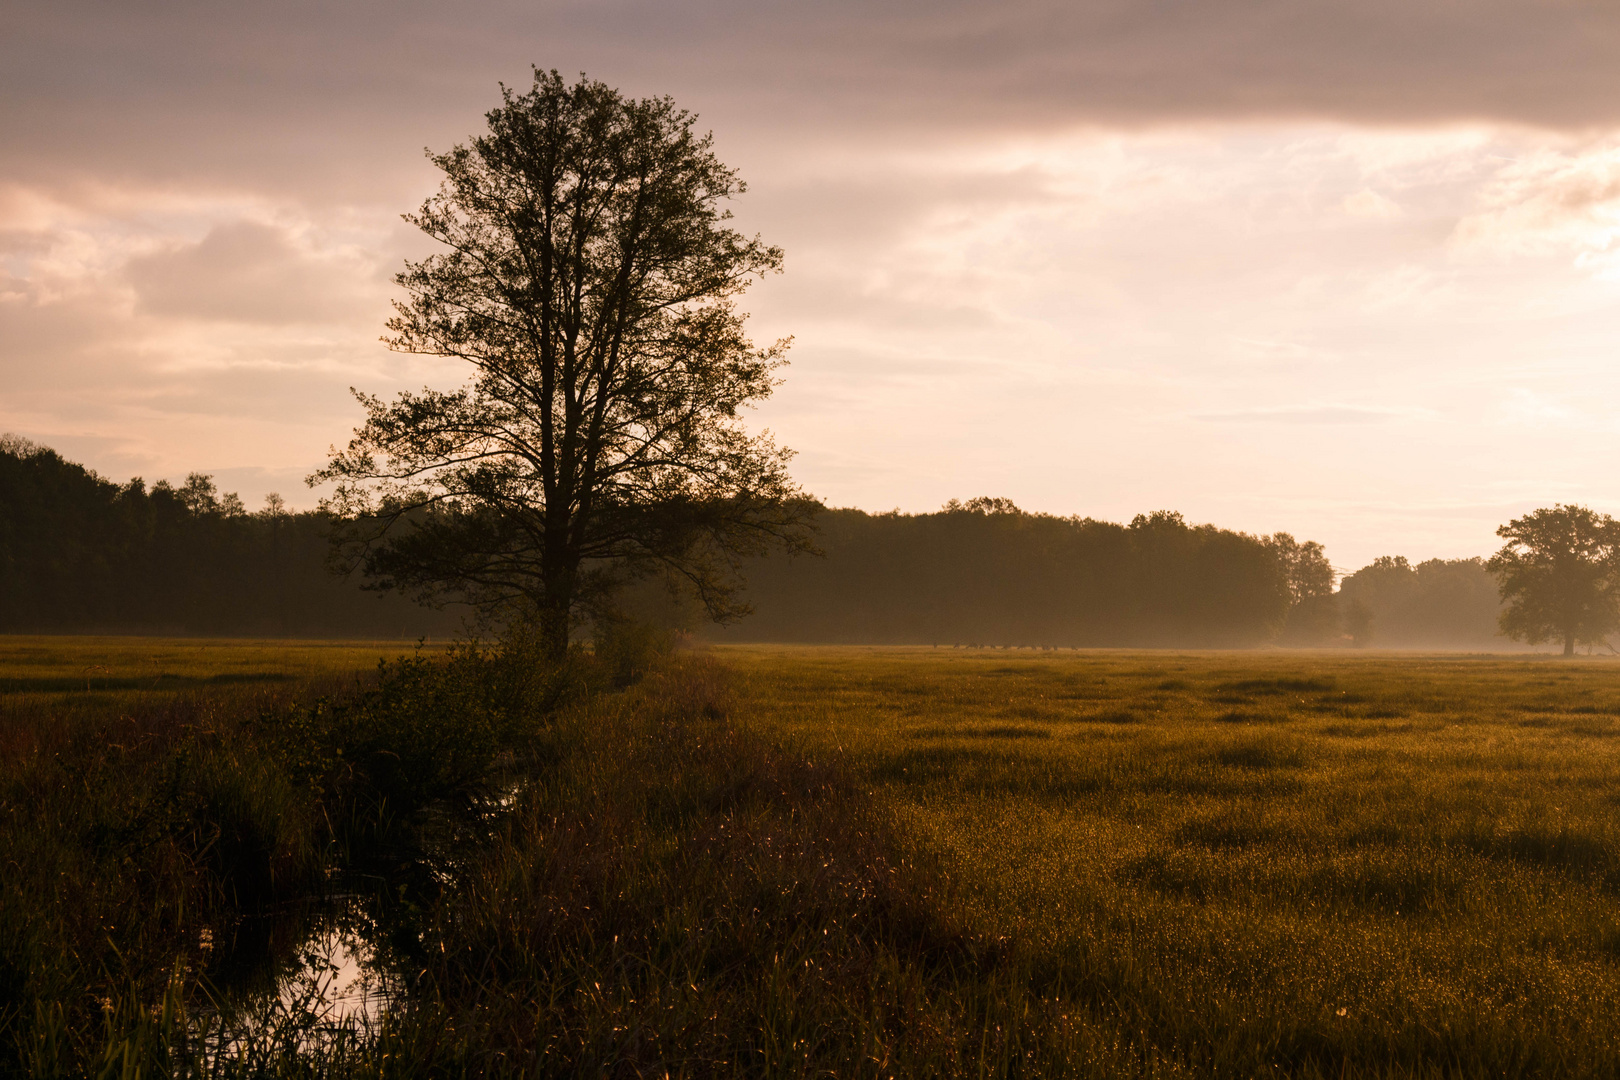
<point x="1010" y="862"/>
<point x="69" y="666"/>
<point x="1251" y="849"/>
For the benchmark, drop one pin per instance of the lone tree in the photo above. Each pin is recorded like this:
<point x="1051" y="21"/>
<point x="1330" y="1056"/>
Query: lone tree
<point x="1557" y="574"/>
<point x="589" y="279"/>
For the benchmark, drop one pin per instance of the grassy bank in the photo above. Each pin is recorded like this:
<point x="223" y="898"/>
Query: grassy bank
<point x="810" y="862"/>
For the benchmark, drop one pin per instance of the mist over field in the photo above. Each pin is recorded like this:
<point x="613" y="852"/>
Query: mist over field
<point x="967" y="577"/>
<point x="81" y="554"/>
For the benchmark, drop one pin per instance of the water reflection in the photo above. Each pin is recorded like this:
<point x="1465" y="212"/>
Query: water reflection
<point x="329" y="991"/>
<point x="336" y="980"/>
<point x="321" y="978"/>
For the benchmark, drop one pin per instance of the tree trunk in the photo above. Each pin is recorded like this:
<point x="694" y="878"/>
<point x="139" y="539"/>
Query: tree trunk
<point x="557" y="580"/>
<point x="1569" y="644"/>
<point x="554" y="631"/>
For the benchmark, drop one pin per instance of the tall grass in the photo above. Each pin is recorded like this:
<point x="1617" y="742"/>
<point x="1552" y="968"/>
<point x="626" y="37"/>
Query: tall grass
<point x="1314" y="862"/>
<point x="856" y="863"/>
<point x="126" y="836"/>
<point x="151" y="837"/>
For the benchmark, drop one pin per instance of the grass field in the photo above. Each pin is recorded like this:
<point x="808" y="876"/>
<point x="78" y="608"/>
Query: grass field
<point x="1375" y="857"/>
<point x="74" y="665"/>
<point x="893" y="862"/>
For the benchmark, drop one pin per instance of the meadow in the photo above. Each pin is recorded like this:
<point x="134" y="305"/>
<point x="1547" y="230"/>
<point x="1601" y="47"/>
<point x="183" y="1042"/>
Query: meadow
<point x="1252" y="859"/>
<point x="772" y="861"/>
<point x="70" y="667"/>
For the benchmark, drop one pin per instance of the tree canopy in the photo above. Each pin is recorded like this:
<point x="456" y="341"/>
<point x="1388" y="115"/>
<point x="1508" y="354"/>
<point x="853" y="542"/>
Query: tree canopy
<point x="589" y="279"/>
<point x="1558" y="574"/>
<point x="985" y="572"/>
<point x="1436" y="602"/>
<point x="79" y="553"/>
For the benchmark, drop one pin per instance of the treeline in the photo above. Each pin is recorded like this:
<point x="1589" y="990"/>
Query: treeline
<point x="1440" y="603"/>
<point x="79" y="553"/>
<point x="987" y="573"/>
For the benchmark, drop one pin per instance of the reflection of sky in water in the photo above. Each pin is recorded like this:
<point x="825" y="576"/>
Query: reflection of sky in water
<point x="336" y="981"/>
<point x="333" y="989"/>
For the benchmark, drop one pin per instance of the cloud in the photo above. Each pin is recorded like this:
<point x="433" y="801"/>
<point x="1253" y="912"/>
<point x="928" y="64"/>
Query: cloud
<point x="246" y="272"/>
<point x="1311" y="414"/>
<point x="1549" y="201"/>
<point x="161" y="334"/>
<point x="325" y="98"/>
<point x="1367" y="203"/>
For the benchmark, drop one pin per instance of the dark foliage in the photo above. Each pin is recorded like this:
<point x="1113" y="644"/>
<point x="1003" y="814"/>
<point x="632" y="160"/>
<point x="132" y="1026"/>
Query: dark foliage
<point x="155" y="844"/>
<point x="79" y="553"/>
<point x="988" y="573"/>
<point x="1436" y="603"/>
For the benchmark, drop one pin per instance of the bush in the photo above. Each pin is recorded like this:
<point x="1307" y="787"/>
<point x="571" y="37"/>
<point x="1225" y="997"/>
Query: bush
<point x="625" y="652"/>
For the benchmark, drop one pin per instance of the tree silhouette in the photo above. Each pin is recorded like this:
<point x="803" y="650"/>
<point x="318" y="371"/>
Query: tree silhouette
<point x="1313" y="617"/>
<point x="1446" y="602"/>
<point x="81" y="554"/>
<point x="1558" y="576"/>
<point x="590" y="283"/>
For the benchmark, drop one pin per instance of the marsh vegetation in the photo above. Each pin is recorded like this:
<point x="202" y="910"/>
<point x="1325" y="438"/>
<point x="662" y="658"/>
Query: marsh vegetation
<point x="812" y="861"/>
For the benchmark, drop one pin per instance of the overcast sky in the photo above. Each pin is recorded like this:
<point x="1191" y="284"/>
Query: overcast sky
<point x="1347" y="270"/>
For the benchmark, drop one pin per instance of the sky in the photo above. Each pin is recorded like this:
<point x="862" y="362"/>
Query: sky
<point x="1345" y="270"/>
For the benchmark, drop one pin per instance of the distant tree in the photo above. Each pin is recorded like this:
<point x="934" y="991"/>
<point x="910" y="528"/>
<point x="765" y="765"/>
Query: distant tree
<point x="1312" y="614"/>
<point x="1358" y="622"/>
<point x="1017" y="578"/>
<point x="1201" y="576"/>
<point x="983" y="504"/>
<point x="1558" y="576"/>
<point x="1376" y="595"/>
<point x="590" y="283"/>
<point x="1305" y="567"/>
<point x="201" y="496"/>
<point x="79" y="553"/>
<point x="1438" y="602"/>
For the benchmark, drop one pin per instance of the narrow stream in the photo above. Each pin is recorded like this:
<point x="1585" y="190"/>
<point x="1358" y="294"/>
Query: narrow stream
<point x="325" y="974"/>
<point x="330" y="987"/>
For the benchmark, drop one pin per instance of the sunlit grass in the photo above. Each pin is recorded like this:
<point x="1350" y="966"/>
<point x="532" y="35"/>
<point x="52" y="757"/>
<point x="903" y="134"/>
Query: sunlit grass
<point x="1255" y="857"/>
<point x="72" y="665"/>
<point x="905" y="862"/>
